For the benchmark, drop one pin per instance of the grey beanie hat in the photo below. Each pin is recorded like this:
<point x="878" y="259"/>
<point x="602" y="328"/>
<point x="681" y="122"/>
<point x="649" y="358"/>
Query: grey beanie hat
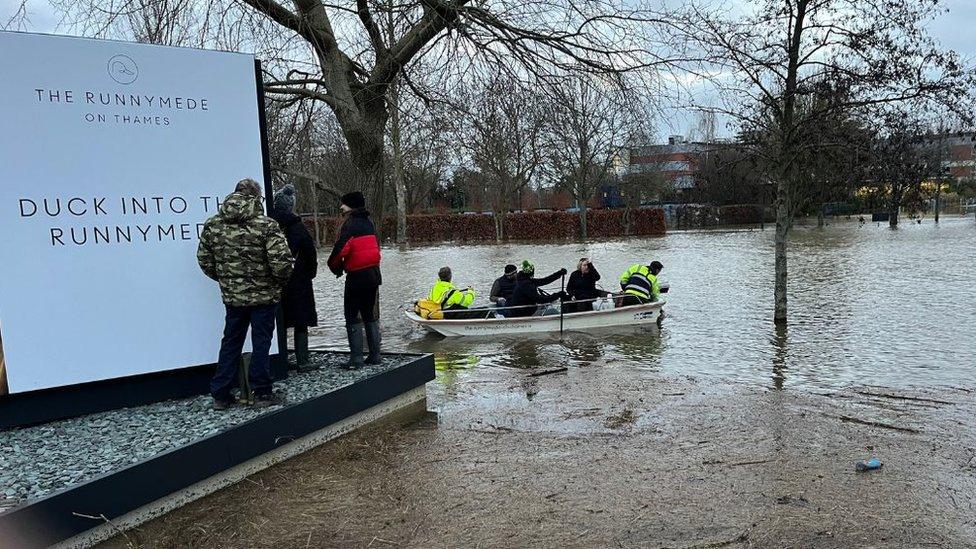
<point x="284" y="199"/>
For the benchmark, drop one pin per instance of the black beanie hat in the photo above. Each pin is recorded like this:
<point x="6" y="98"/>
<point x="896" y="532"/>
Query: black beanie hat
<point x="354" y="200"/>
<point x="509" y="269"/>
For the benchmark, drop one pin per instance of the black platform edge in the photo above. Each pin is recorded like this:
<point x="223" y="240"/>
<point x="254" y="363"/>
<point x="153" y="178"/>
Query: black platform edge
<point x="46" y="405"/>
<point x="66" y="513"/>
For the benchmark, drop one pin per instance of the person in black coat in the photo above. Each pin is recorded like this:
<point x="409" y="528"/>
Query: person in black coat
<point x="297" y="297"/>
<point x="582" y="287"/>
<point x="527" y="297"/>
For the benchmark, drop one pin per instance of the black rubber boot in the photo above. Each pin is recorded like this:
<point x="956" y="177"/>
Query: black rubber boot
<point x="355" y="334"/>
<point x="301" y="350"/>
<point x="373" y="339"/>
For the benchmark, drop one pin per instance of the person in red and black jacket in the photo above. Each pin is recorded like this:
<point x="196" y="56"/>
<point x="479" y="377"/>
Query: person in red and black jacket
<point x="357" y="253"/>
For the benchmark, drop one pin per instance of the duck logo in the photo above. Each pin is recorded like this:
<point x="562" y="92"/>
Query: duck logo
<point x="123" y="69"/>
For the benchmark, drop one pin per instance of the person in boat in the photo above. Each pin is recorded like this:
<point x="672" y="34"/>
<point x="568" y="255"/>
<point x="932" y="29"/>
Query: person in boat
<point x="527" y="297"/>
<point x="502" y="288"/>
<point x="582" y="288"/>
<point x="640" y="284"/>
<point x="449" y="296"/>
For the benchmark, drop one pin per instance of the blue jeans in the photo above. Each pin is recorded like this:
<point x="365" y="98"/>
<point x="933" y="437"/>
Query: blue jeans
<point x="261" y="319"/>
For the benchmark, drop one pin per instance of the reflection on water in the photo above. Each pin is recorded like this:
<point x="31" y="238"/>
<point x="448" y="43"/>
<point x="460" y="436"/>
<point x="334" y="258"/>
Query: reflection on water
<point x="780" y="334"/>
<point x="867" y="305"/>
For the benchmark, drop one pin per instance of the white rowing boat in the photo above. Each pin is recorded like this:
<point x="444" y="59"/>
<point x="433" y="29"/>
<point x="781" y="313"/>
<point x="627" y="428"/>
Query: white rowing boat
<point x="634" y="315"/>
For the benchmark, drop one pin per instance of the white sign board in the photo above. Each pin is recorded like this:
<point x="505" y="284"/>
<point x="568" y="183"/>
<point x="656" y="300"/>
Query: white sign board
<point x="112" y="155"/>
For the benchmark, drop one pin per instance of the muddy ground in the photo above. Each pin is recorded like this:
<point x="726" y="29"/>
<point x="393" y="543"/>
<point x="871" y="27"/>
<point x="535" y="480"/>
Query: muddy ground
<point x="594" y="457"/>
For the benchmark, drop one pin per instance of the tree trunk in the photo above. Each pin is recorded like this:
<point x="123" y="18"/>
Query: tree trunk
<point x="367" y="155"/>
<point x="365" y="139"/>
<point x="315" y="212"/>
<point x="893" y="215"/>
<point x="582" y="214"/>
<point x="820" y="217"/>
<point x="398" y="183"/>
<point x="938" y="197"/>
<point x="782" y="238"/>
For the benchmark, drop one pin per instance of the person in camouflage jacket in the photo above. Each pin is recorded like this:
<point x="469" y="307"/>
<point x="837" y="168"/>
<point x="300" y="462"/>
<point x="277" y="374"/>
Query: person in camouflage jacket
<point x="247" y="254"/>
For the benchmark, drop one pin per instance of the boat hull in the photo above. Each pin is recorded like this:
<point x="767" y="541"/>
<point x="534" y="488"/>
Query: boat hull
<point x="635" y="315"/>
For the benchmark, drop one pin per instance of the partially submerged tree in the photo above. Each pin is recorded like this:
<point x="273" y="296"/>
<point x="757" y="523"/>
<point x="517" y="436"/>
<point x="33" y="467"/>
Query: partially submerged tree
<point x="878" y="49"/>
<point x="904" y="156"/>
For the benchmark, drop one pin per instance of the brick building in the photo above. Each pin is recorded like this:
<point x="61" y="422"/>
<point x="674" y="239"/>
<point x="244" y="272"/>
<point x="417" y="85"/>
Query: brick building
<point x="960" y="160"/>
<point x="678" y="161"/>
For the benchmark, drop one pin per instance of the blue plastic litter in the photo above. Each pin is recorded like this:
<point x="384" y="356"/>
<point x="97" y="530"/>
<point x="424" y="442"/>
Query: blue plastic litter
<point x="869" y="465"/>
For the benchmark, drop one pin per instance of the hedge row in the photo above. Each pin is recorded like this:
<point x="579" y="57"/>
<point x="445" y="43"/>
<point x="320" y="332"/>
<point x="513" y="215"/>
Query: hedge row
<point x="694" y="216"/>
<point x="519" y="226"/>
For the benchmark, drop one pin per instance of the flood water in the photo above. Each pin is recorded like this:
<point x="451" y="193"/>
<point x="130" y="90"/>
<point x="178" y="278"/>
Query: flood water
<point x="868" y="306"/>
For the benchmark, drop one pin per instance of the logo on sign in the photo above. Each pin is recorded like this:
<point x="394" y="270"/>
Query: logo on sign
<point x="123" y="69"/>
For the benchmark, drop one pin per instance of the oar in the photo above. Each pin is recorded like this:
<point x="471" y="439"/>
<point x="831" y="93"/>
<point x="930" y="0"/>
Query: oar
<point x="562" y="289"/>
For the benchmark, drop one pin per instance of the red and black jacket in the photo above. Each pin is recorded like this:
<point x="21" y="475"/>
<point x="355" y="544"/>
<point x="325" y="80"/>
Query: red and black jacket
<point x="357" y="251"/>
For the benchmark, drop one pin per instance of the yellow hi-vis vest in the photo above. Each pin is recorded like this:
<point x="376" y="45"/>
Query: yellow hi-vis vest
<point x="448" y="295"/>
<point x="638" y="281"/>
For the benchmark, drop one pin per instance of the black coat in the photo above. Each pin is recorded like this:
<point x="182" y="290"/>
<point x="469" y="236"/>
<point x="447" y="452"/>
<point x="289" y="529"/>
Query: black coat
<point x="297" y="297"/>
<point x="527" y="294"/>
<point x="583" y="286"/>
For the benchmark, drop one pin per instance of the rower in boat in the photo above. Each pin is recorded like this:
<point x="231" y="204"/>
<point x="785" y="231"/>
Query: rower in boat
<point x="449" y="296"/>
<point x="640" y="284"/>
<point x="527" y="297"/>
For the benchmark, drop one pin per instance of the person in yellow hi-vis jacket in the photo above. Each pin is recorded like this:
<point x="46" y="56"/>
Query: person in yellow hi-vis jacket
<point x="640" y="284"/>
<point x="448" y="295"/>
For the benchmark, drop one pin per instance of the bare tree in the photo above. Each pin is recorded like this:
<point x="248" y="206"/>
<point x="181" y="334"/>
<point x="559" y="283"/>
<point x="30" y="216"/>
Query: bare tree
<point x="705" y="126"/>
<point x="730" y="175"/>
<point x="17" y="20"/>
<point x="587" y="127"/>
<point x="636" y="187"/>
<point x="339" y="55"/>
<point x="427" y="151"/>
<point x="905" y="156"/>
<point x="771" y="58"/>
<point x="503" y="134"/>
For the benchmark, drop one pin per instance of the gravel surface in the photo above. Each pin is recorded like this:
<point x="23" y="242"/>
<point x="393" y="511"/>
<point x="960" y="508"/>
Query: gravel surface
<point x="36" y="461"/>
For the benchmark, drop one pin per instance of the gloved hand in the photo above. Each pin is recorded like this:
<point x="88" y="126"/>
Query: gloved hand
<point x="502" y="302"/>
<point x="563" y="271"/>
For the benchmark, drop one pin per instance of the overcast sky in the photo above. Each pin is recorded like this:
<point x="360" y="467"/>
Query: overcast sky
<point x="955" y="30"/>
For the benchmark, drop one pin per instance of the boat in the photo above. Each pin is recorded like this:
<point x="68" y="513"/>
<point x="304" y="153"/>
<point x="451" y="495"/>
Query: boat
<point x="632" y="315"/>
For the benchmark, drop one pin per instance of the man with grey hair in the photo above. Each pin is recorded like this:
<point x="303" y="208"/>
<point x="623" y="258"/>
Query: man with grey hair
<point x="246" y="253"/>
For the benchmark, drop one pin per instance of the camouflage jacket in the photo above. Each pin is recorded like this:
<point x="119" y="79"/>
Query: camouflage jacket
<point x="245" y="252"/>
